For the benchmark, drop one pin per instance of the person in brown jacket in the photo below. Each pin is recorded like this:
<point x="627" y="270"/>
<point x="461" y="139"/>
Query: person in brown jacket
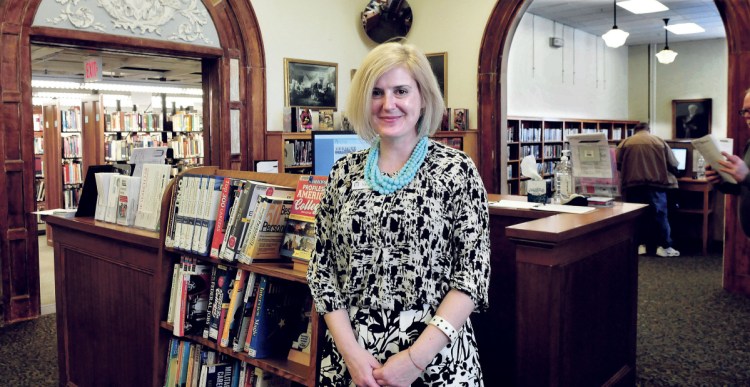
<point x="647" y="167"/>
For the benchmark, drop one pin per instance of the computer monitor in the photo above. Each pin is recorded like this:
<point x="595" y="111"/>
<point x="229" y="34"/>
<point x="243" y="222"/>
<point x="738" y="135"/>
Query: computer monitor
<point x="681" y="155"/>
<point x="329" y="146"/>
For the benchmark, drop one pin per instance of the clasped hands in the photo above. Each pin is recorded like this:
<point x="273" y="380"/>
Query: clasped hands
<point x="366" y="371"/>
<point x="733" y="165"/>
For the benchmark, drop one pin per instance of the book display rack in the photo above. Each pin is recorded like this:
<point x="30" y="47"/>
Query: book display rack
<point x="545" y="138"/>
<point x="281" y="275"/>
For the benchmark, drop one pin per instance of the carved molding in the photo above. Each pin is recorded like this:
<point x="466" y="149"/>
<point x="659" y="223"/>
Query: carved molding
<point x="178" y="20"/>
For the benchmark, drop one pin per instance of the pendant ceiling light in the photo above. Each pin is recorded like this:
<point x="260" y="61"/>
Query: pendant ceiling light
<point x="615" y="37"/>
<point x="666" y="56"/>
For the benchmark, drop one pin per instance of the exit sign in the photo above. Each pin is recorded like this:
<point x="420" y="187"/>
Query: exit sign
<point x="92" y="69"/>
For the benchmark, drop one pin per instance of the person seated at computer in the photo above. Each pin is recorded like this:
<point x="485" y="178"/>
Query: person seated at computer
<point x="647" y="170"/>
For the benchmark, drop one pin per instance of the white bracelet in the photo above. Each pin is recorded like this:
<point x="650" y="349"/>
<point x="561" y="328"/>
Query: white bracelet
<point x="445" y="327"/>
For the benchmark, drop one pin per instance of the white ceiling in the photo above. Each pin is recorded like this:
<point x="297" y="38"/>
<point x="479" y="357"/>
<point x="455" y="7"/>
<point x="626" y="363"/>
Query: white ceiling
<point x="67" y="62"/>
<point x="597" y="16"/>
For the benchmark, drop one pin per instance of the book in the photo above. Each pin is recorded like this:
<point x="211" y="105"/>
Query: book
<point x="110" y="213"/>
<point x="601" y="201"/>
<point x="154" y="180"/>
<point x="224" y="277"/>
<point x="175" y="212"/>
<point x="709" y="148"/>
<point x="193" y="199"/>
<point x="216" y="375"/>
<point x="179" y="208"/>
<point x="301" y="334"/>
<point x="248" y="304"/>
<point x="211" y="292"/>
<point x="102" y="181"/>
<point x="272" y="334"/>
<point x="299" y="236"/>
<point x="212" y="197"/>
<point x="172" y="355"/>
<point x="267" y="232"/>
<point x="259" y="299"/>
<point x="173" y="292"/>
<point x="229" y="189"/>
<point x="196" y="313"/>
<point x="235" y="302"/>
<point x="128" y="188"/>
<point x="248" y="202"/>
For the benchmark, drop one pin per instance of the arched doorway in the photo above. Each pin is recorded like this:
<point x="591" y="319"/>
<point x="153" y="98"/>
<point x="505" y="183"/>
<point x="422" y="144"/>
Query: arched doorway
<point x="493" y="94"/>
<point x="240" y="41"/>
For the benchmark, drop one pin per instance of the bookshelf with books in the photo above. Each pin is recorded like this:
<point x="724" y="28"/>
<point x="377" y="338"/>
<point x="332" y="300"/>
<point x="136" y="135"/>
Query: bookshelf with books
<point x="63" y="155"/>
<point x="545" y="138"/>
<point x="181" y="131"/>
<point x="279" y="272"/>
<point x="293" y="150"/>
<point x="39" y="165"/>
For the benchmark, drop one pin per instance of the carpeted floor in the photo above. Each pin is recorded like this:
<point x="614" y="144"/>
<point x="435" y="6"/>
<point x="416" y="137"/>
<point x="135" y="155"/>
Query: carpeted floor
<point x="690" y="331"/>
<point x="28" y="353"/>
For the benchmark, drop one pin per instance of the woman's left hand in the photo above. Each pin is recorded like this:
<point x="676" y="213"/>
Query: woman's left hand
<point x="397" y="371"/>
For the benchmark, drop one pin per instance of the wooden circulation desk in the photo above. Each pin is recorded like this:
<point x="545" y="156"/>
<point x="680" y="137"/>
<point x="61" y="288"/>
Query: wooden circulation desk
<point x="562" y="309"/>
<point x="563" y="298"/>
<point x="110" y="293"/>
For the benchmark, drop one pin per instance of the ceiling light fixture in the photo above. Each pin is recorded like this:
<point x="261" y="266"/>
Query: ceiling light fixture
<point x="666" y="56"/>
<point x="642" y="6"/>
<point x="685" y="28"/>
<point x="615" y="37"/>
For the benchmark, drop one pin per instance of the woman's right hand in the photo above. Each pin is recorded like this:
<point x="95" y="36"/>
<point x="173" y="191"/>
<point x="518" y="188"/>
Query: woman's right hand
<point x="360" y="364"/>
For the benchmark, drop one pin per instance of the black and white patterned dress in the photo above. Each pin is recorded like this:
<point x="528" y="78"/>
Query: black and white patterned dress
<point x="389" y="260"/>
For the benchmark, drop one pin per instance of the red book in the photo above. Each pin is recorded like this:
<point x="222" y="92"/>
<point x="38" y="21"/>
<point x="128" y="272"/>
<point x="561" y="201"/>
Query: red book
<point x="228" y="189"/>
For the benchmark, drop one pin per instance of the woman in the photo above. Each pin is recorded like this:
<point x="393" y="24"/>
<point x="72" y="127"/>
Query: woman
<point x="402" y="250"/>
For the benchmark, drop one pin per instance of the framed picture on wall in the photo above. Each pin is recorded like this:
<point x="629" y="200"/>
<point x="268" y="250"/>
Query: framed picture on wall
<point x="691" y="118"/>
<point x="439" y="64"/>
<point x="310" y="84"/>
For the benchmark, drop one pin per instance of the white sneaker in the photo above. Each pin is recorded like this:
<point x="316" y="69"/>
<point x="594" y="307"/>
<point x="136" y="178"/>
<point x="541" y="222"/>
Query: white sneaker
<point x="641" y="249"/>
<point x="668" y="252"/>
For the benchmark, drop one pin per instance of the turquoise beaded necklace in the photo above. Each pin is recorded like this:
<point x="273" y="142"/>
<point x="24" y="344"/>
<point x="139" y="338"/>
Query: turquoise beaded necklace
<point x="386" y="185"/>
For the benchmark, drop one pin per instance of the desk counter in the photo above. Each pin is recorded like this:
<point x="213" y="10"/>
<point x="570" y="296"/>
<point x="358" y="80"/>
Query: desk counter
<point x="563" y="297"/>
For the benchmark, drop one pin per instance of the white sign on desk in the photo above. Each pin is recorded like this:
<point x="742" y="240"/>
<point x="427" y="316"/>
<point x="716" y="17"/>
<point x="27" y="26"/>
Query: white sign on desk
<point x="590" y="155"/>
<point x="140" y="156"/>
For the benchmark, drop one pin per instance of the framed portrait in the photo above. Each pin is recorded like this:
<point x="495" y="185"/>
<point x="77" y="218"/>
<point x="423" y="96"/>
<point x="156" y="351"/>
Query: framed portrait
<point x="691" y="118"/>
<point x="310" y="84"/>
<point x="439" y="64"/>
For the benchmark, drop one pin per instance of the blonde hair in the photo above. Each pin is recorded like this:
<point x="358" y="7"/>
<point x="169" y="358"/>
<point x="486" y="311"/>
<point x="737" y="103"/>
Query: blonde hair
<point x="380" y="60"/>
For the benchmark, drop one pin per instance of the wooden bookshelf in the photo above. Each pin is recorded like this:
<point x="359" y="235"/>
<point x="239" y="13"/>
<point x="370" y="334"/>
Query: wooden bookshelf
<point x="302" y="374"/>
<point x="545" y="138"/>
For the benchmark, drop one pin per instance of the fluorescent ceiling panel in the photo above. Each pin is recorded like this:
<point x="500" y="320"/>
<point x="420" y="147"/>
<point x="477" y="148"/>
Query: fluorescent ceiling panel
<point x="642" y="6"/>
<point x="685" y="28"/>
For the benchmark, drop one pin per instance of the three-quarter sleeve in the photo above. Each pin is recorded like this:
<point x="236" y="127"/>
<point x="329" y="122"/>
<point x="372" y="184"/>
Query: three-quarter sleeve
<point x="321" y="274"/>
<point x="471" y="269"/>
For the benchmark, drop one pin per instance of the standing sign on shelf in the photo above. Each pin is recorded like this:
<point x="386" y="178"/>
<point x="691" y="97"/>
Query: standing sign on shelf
<point x="140" y="156"/>
<point x="92" y="69"/>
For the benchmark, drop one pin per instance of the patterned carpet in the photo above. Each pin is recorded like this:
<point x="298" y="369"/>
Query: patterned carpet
<point x="690" y="331"/>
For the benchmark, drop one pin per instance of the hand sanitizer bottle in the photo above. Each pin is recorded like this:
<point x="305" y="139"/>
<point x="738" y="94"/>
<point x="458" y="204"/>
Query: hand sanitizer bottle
<point x="563" y="179"/>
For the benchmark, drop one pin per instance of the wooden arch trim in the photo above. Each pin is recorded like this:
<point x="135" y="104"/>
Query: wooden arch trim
<point x="491" y="94"/>
<point x="240" y="39"/>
